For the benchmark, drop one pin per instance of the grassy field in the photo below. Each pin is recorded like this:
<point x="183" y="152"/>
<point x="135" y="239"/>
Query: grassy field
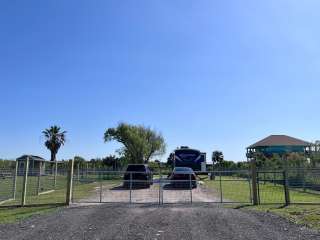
<point x="307" y="215"/>
<point x="11" y="215"/>
<point x="238" y="190"/>
<point x="272" y="200"/>
<point x="233" y="190"/>
<point x="46" y="184"/>
<point x="46" y="203"/>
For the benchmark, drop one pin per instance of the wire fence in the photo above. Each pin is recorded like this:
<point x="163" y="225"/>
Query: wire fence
<point x="49" y="185"/>
<point x="25" y="186"/>
<point x="7" y="182"/>
<point x="303" y="186"/>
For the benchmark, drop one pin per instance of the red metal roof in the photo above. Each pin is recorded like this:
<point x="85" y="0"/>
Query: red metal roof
<point x="279" y="140"/>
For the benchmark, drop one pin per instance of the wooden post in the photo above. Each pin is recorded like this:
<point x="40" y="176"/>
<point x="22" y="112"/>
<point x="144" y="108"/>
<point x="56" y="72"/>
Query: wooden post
<point x="70" y="182"/>
<point x="159" y="182"/>
<point x="258" y="188"/>
<point x="286" y="188"/>
<point x="78" y="172"/>
<point x="100" y="187"/>
<point x="221" y="193"/>
<point x="190" y="182"/>
<point x="87" y="170"/>
<point x="130" y="194"/>
<point x="250" y="192"/>
<point x="25" y="182"/>
<point x="254" y="181"/>
<point x="55" y="174"/>
<point x="14" y="187"/>
<point x="39" y="176"/>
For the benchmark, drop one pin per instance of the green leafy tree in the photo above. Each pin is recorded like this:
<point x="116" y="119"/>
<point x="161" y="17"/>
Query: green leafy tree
<point x="315" y="154"/>
<point x="140" y="143"/>
<point x="55" y="138"/>
<point x="111" y="161"/>
<point x="79" y="161"/>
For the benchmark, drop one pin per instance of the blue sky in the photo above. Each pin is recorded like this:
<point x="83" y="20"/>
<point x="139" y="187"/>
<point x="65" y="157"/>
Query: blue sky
<point x="208" y="74"/>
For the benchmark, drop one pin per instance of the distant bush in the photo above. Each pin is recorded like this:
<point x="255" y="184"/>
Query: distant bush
<point x="4" y="163"/>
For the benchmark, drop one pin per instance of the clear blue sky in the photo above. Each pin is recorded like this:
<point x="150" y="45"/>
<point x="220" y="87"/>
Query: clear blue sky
<point x="208" y="74"/>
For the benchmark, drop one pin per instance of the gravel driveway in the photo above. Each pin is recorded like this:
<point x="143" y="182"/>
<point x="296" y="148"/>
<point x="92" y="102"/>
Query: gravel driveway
<point x="157" y="223"/>
<point x="115" y="193"/>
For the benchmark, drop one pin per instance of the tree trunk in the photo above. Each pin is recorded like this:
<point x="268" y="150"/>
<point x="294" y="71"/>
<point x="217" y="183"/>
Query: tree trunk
<point x="53" y="159"/>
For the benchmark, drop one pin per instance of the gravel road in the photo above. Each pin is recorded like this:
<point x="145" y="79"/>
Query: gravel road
<point x="115" y="193"/>
<point x="167" y="222"/>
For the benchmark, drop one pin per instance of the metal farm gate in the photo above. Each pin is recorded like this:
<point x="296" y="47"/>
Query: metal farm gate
<point x="99" y="186"/>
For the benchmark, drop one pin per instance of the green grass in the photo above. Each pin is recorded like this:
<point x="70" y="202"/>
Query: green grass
<point x="307" y="215"/>
<point x="11" y="215"/>
<point x="47" y="203"/>
<point x="46" y="184"/>
<point x="85" y="190"/>
<point x="237" y="190"/>
<point x="232" y="191"/>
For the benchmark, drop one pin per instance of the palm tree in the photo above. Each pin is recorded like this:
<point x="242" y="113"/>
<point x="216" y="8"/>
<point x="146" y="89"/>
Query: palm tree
<point x="217" y="157"/>
<point x="54" y="140"/>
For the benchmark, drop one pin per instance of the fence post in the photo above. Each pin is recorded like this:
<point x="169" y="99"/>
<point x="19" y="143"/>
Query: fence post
<point x="25" y="182"/>
<point x="14" y="187"/>
<point x="39" y="176"/>
<point x="258" y="188"/>
<point x="70" y="182"/>
<point x="254" y="181"/>
<point x="190" y="182"/>
<point x="159" y="184"/>
<point x="250" y="192"/>
<point x="221" y="194"/>
<point x="286" y="188"/>
<point x="87" y="170"/>
<point x="55" y="173"/>
<point x="130" y="187"/>
<point x="78" y="171"/>
<point x="100" y="187"/>
<point x="160" y="189"/>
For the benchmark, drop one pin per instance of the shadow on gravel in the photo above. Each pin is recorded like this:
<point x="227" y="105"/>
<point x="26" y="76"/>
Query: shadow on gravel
<point x="124" y="188"/>
<point x="35" y="205"/>
<point x="177" y="187"/>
